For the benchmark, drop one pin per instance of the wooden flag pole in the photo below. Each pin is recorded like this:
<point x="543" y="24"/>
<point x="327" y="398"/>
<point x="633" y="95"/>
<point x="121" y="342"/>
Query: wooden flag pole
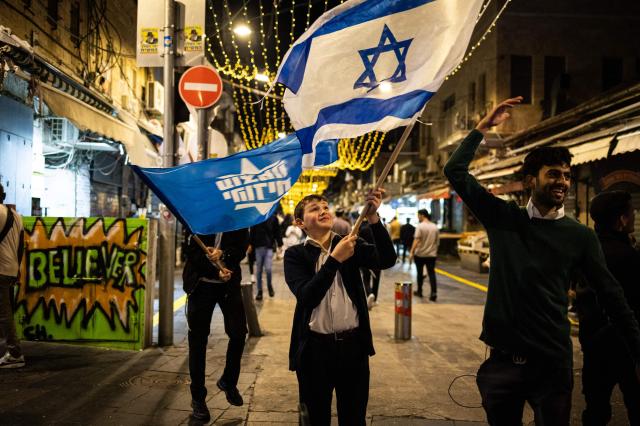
<point x="217" y="263"/>
<point x="385" y="171"/>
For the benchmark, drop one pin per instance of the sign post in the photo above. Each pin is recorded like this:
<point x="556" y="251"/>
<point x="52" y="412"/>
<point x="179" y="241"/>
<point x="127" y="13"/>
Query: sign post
<point x="201" y="87"/>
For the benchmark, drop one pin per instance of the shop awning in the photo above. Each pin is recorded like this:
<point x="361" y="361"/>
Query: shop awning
<point x="591" y="151"/>
<point x="436" y="194"/>
<point x="498" y="173"/>
<point x="87" y="118"/>
<point x="627" y="143"/>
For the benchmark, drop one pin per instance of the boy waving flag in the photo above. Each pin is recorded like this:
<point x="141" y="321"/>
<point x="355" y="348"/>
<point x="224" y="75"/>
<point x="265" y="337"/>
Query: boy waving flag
<point x="371" y="65"/>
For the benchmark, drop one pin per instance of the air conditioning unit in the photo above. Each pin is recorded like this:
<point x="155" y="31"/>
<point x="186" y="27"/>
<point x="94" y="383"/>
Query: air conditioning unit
<point x="432" y="164"/>
<point x="60" y="130"/>
<point x="155" y="97"/>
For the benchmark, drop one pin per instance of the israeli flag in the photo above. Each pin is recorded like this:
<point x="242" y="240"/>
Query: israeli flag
<point x="228" y="193"/>
<point x="371" y="65"/>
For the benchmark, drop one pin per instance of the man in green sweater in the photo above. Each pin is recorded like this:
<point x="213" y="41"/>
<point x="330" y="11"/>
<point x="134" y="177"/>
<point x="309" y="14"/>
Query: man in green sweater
<point x="534" y="250"/>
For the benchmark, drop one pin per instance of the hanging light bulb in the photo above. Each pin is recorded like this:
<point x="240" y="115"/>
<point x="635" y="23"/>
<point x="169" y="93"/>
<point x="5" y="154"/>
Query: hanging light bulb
<point x="242" y="30"/>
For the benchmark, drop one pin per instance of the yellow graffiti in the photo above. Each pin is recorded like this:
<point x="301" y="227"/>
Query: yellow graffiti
<point x="72" y="270"/>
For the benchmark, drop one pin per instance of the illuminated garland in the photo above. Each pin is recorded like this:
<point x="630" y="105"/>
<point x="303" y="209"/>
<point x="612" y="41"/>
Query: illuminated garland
<point x="359" y="153"/>
<point x="261" y="124"/>
<point x="484" y="36"/>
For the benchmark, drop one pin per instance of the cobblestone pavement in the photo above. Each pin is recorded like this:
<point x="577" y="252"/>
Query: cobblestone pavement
<point x="411" y="381"/>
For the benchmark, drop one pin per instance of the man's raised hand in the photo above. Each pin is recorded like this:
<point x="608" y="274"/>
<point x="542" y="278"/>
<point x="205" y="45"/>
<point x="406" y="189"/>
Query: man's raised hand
<point x="499" y="114"/>
<point x="373" y="201"/>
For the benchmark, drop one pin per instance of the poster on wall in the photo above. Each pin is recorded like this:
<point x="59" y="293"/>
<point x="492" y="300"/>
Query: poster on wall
<point x="83" y="280"/>
<point x="189" y="36"/>
<point x="149" y="41"/>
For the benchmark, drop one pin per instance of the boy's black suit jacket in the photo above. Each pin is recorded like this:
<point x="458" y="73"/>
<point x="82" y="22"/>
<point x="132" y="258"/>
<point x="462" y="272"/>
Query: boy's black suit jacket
<point x="310" y="286"/>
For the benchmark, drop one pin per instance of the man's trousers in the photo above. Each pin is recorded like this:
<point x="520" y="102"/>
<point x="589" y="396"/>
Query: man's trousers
<point x="199" y="313"/>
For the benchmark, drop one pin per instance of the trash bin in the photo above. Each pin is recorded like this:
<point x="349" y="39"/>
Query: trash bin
<point x="403" y="311"/>
<point x="250" y="309"/>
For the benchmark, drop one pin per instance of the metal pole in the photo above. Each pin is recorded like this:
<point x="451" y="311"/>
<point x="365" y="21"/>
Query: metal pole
<point x="167" y="225"/>
<point x="202" y="134"/>
<point x="385" y="171"/>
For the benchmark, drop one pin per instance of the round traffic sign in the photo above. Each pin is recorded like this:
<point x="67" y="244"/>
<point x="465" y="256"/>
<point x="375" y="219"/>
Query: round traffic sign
<point x="200" y="86"/>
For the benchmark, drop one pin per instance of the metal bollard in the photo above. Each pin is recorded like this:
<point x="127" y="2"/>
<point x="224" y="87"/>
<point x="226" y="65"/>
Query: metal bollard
<point x="250" y="309"/>
<point x="403" y="311"/>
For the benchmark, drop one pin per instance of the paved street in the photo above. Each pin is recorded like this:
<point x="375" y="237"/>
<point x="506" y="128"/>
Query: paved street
<point x="410" y="382"/>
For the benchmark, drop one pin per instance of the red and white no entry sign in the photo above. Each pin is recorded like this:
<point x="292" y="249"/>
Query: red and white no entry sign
<point x="200" y="86"/>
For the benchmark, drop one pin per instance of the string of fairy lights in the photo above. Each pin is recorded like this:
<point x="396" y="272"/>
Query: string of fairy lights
<point x="253" y="63"/>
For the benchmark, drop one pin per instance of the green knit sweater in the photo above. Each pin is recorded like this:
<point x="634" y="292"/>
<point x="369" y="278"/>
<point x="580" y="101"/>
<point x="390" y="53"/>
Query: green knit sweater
<point x="532" y="261"/>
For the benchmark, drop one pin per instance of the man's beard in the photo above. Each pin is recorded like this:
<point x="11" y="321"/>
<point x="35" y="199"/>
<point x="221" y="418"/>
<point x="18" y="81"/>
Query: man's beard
<point x="545" y="196"/>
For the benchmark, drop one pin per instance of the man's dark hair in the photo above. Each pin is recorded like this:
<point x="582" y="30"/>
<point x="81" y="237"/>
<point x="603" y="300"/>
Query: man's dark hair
<point x="607" y="207"/>
<point x="298" y="212"/>
<point x="339" y="213"/>
<point x="2" y="194"/>
<point x="544" y="156"/>
<point x="425" y="213"/>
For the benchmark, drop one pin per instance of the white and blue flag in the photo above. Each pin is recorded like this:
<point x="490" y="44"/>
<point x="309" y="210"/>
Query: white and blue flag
<point x="371" y="65"/>
<point x="225" y="194"/>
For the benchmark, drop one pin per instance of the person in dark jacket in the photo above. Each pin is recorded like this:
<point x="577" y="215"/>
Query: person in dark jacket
<point x="607" y="361"/>
<point x="534" y="251"/>
<point x="262" y="238"/>
<point x="206" y="286"/>
<point x="407" y="232"/>
<point x="331" y="335"/>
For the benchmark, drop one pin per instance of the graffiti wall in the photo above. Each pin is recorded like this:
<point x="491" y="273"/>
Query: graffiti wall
<point x="84" y="280"/>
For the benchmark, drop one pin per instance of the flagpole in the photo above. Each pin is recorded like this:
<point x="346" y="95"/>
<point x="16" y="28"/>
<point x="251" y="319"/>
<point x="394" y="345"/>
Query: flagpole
<point x="385" y="171"/>
<point x="216" y="263"/>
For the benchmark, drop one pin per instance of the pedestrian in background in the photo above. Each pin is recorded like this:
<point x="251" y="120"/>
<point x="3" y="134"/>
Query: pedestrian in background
<point x="292" y="236"/>
<point x="607" y="362"/>
<point x="207" y="286"/>
<point x="406" y="235"/>
<point x="11" y="250"/>
<point x="534" y="251"/>
<point x="394" y="228"/>
<point x="341" y="225"/>
<point x="424" y="252"/>
<point x="263" y="237"/>
<point x="331" y="338"/>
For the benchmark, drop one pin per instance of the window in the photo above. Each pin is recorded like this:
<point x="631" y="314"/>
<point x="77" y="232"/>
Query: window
<point x="449" y="103"/>
<point x="521" y="77"/>
<point x="611" y="72"/>
<point x="52" y="13"/>
<point x="75" y="23"/>
<point x="482" y="93"/>
<point x="471" y="104"/>
<point x="554" y="67"/>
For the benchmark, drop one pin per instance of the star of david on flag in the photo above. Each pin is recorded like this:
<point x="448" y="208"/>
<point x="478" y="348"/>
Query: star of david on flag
<point x="370" y="57"/>
<point x="225" y="194"/>
<point x="335" y="70"/>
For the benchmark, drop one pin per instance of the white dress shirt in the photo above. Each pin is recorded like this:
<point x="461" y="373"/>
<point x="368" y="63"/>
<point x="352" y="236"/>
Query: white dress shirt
<point x="553" y="214"/>
<point x="336" y="312"/>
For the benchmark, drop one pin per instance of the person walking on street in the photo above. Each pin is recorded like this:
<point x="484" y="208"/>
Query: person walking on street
<point x="331" y="337"/>
<point x="534" y="251"/>
<point x="341" y="226"/>
<point x="424" y="252"/>
<point x="207" y="286"/>
<point x="406" y="235"/>
<point x="11" y="250"/>
<point x="394" y="228"/>
<point x="262" y="238"/>
<point x="607" y="361"/>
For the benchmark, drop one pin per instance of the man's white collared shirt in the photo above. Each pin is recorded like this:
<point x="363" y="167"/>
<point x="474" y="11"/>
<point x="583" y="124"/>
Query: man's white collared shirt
<point x="336" y="312"/>
<point x="553" y="214"/>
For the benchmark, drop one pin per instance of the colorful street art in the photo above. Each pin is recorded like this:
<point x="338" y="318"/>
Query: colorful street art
<point x="83" y="280"/>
